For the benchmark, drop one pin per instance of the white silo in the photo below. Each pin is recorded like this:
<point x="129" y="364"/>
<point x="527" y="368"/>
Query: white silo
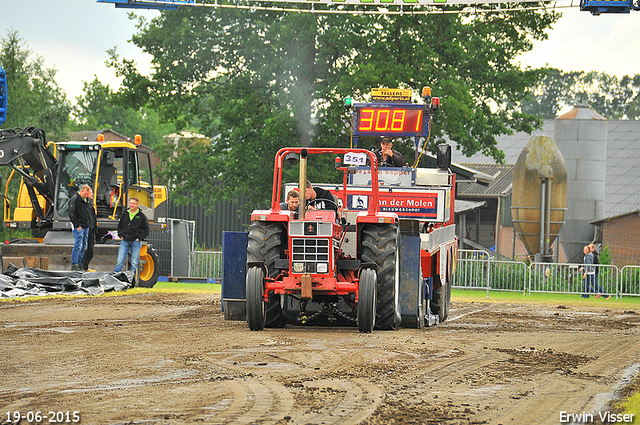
<point x="581" y="136"/>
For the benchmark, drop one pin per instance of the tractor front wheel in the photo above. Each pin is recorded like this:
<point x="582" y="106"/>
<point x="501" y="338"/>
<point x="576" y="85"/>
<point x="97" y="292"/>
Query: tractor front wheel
<point x="367" y="300"/>
<point x="266" y="246"/>
<point x="256" y="316"/>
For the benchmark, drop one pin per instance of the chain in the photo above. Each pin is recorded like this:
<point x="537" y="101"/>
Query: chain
<point x="334" y="308"/>
<point x="329" y="310"/>
<point x="305" y="319"/>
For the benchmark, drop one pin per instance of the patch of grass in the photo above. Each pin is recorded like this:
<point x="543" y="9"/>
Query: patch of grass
<point x="630" y="401"/>
<point x="172" y="288"/>
<point x="544" y="298"/>
<point x="186" y="287"/>
<point x="632" y="406"/>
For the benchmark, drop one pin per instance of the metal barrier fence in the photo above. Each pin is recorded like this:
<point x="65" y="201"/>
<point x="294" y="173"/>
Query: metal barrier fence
<point x="472" y="269"/>
<point x="477" y="269"/>
<point x="508" y="276"/>
<point x="629" y="283"/>
<point x="206" y="264"/>
<point x="569" y="278"/>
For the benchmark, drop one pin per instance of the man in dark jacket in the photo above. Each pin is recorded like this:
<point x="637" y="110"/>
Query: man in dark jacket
<point x="91" y="240"/>
<point x="316" y="197"/>
<point x="80" y="216"/>
<point x="133" y="228"/>
<point x="387" y="157"/>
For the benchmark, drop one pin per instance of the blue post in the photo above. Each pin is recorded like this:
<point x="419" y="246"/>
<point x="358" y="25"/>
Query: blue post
<point x="3" y="96"/>
<point x="234" y="270"/>
<point x="411" y="287"/>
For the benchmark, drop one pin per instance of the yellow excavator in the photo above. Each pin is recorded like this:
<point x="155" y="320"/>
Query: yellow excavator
<point x="51" y="173"/>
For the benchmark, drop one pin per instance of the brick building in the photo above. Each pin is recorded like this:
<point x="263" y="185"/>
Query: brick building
<point x="621" y="235"/>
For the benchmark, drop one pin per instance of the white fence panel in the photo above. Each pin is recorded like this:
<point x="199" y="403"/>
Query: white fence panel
<point x="629" y="283"/>
<point x="555" y="277"/>
<point x="508" y="276"/>
<point x="569" y="279"/>
<point x="472" y="269"/>
<point x="607" y="280"/>
<point x="206" y="264"/>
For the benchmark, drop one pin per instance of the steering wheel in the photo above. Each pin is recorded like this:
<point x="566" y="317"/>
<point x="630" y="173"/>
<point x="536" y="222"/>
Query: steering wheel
<point x="331" y="203"/>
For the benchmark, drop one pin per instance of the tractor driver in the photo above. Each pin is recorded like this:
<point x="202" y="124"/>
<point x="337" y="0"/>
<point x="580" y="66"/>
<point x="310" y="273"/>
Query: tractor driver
<point x="387" y="157"/>
<point x="315" y="198"/>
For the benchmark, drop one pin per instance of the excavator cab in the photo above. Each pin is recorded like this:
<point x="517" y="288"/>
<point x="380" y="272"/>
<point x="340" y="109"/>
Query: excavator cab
<point x="116" y="171"/>
<point x="77" y="163"/>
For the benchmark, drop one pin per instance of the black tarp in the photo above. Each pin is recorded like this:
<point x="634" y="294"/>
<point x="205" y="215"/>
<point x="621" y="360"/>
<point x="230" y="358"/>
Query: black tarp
<point x="28" y="281"/>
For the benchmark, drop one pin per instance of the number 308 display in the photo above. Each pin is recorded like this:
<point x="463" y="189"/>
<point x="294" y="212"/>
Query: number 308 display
<point x="390" y="120"/>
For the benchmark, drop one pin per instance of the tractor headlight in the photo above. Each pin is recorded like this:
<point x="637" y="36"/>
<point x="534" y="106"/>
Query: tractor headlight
<point x="322" y="267"/>
<point x="298" y="267"/>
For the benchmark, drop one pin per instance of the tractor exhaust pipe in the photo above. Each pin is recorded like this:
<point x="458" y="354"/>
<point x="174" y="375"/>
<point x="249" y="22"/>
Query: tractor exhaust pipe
<point x="302" y="185"/>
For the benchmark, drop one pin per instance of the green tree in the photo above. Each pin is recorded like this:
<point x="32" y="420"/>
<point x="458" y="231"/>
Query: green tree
<point x="613" y="97"/>
<point x="35" y="99"/>
<point x="552" y="93"/>
<point x="99" y="107"/>
<point x="261" y="80"/>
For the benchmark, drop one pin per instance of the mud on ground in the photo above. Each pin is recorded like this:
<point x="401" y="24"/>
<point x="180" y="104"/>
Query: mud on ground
<point x="173" y="359"/>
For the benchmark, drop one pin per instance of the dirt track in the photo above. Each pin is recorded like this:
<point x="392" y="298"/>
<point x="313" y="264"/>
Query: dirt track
<point x="160" y="358"/>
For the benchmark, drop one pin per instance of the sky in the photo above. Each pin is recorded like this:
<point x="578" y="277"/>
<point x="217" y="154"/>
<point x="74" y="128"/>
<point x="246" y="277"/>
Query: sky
<point x="72" y="36"/>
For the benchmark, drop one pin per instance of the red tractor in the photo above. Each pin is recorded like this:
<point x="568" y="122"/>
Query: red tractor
<point x="380" y="255"/>
<point x="304" y="259"/>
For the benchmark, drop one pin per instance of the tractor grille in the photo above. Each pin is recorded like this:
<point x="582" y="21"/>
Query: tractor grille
<point x="309" y="252"/>
<point x="310" y="228"/>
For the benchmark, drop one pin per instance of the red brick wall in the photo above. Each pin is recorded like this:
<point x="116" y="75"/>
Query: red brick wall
<point x="505" y="245"/>
<point x="622" y="236"/>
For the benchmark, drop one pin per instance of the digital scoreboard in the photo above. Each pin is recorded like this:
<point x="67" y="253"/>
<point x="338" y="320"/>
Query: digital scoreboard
<point x="377" y="119"/>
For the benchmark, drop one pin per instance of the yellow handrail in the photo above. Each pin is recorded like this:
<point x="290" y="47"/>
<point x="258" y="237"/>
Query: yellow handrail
<point x="113" y="217"/>
<point x="7" y="202"/>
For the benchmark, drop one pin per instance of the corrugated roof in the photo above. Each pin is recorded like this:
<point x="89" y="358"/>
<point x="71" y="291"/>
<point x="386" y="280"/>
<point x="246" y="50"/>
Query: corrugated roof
<point x="500" y="186"/>
<point x="461" y="205"/>
<point x="622" y="186"/>
<point x="512" y="146"/>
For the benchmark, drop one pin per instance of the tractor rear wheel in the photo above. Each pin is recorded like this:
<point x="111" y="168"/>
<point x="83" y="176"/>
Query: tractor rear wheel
<point x="266" y="245"/>
<point x="441" y="300"/>
<point x="256" y="316"/>
<point x="380" y="246"/>
<point x="367" y="300"/>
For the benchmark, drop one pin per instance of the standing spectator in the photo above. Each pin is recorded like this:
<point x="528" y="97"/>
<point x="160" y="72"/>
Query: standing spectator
<point x="91" y="239"/>
<point x="588" y="274"/>
<point x="80" y="217"/>
<point x="596" y="262"/>
<point x="133" y="228"/>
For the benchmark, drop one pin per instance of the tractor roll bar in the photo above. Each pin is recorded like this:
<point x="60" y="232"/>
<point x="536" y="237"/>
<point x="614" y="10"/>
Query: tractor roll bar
<point x="277" y="175"/>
